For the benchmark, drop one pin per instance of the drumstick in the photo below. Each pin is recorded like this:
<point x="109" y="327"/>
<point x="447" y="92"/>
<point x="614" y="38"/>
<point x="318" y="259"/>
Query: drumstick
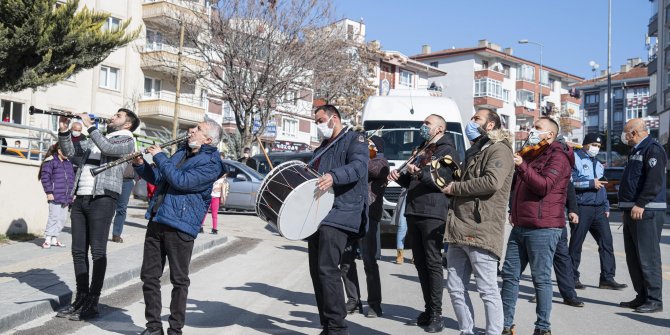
<point x="264" y="152"/>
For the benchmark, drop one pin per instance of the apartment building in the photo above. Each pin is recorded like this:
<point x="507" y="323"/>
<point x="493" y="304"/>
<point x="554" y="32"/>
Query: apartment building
<point x="630" y="99"/>
<point x="489" y="76"/>
<point x="140" y="76"/>
<point x="658" y="69"/>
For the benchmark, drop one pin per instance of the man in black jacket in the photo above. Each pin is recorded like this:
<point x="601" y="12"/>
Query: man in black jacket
<point x="426" y="212"/>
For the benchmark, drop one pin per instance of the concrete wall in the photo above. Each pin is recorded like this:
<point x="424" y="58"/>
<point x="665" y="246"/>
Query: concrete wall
<point x="23" y="208"/>
<point x="459" y="82"/>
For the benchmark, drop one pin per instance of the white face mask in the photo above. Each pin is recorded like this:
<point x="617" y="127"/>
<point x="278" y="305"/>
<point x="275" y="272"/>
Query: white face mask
<point x="193" y="144"/>
<point x="593" y="151"/>
<point x="623" y="138"/>
<point x="323" y="129"/>
<point x="76" y="133"/>
<point x="534" y="136"/>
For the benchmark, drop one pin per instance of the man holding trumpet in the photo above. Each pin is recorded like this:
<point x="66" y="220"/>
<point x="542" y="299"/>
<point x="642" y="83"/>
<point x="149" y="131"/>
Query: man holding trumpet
<point x="95" y="204"/>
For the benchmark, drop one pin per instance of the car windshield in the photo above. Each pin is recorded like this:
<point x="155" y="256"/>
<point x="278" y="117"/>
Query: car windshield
<point x="399" y="142"/>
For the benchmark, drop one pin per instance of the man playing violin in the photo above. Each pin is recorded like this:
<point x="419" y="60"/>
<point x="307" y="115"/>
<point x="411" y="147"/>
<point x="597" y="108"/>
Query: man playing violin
<point x="426" y="211"/>
<point x="537" y="207"/>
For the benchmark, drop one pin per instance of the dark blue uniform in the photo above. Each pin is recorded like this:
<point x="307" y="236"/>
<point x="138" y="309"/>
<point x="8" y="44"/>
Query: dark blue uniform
<point x="643" y="185"/>
<point x="347" y="162"/>
<point x="592" y="209"/>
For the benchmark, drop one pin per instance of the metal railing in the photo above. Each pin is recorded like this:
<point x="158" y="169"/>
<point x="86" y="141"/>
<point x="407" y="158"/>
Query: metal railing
<point x="37" y="145"/>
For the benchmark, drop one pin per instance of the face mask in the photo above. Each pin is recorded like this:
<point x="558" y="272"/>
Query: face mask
<point x="323" y="129"/>
<point x="76" y="133"/>
<point x="193" y="144"/>
<point x="593" y="151"/>
<point x="424" y="131"/>
<point x="623" y="138"/>
<point x="246" y="155"/>
<point x="472" y="130"/>
<point x="534" y="136"/>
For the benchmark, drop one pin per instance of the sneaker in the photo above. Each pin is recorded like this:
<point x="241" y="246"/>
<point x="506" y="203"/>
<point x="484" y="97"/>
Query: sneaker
<point x="215" y="231"/>
<point x="117" y="239"/>
<point x="46" y="245"/>
<point x="435" y="324"/>
<point x="509" y="330"/>
<point x="353" y="305"/>
<point x="579" y="285"/>
<point x="58" y="244"/>
<point x="541" y="332"/>
<point x="611" y="285"/>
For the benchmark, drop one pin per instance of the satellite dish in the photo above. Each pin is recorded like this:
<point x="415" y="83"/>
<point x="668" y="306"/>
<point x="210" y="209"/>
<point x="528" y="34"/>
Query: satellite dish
<point x="592" y="63"/>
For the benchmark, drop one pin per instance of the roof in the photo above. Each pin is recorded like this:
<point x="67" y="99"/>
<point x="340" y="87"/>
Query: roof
<point x="637" y="72"/>
<point x="460" y="51"/>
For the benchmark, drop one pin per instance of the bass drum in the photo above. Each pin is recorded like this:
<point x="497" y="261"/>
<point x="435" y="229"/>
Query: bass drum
<point x="290" y="202"/>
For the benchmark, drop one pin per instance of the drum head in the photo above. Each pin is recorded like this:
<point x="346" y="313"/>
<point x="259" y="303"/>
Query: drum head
<point x="303" y="210"/>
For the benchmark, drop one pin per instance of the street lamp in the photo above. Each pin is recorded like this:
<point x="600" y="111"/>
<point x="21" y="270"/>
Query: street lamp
<point x="539" y="76"/>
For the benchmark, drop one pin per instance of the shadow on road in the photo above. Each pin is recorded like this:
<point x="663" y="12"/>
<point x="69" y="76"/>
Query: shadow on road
<point x="44" y="280"/>
<point x="293" y="247"/>
<point x="649" y="319"/>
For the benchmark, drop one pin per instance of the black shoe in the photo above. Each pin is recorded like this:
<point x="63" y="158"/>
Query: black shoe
<point x="88" y="310"/>
<point x="435" y="324"/>
<point x="423" y="319"/>
<point x="631" y="304"/>
<point x="74" y="306"/>
<point x="611" y="285"/>
<point x="374" y="311"/>
<point x="509" y="331"/>
<point x="353" y="305"/>
<point x="153" y="331"/>
<point x="579" y="285"/>
<point x="541" y="332"/>
<point x="215" y="231"/>
<point x="650" y="307"/>
<point x="574" y="302"/>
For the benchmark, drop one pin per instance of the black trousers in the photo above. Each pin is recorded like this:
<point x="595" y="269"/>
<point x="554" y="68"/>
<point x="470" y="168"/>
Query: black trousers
<point x="369" y="245"/>
<point x="426" y="235"/>
<point x="325" y="249"/>
<point x="91" y="218"/>
<point x="163" y="242"/>
<point x="641" y="239"/>
<point x="592" y="220"/>
<point x="563" y="268"/>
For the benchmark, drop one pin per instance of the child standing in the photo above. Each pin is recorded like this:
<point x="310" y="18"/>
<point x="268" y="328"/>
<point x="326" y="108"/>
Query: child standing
<point x="57" y="176"/>
<point x="219" y="193"/>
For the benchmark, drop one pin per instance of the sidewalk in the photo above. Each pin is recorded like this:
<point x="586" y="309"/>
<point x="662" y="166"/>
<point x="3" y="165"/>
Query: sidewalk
<point x="35" y="282"/>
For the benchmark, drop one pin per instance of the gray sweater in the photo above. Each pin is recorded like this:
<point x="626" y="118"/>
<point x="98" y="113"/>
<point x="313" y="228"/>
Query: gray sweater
<point x="112" y="147"/>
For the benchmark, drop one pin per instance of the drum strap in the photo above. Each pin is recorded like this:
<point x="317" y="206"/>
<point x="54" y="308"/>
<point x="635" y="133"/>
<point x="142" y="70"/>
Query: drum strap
<point x="311" y="162"/>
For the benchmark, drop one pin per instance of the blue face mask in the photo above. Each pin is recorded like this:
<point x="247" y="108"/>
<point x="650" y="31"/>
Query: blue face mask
<point x="472" y="130"/>
<point x="424" y="131"/>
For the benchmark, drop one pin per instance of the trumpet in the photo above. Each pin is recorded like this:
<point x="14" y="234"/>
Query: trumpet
<point x="32" y="110"/>
<point x="96" y="171"/>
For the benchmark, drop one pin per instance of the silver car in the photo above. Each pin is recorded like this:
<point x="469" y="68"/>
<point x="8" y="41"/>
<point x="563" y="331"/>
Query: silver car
<point x="244" y="184"/>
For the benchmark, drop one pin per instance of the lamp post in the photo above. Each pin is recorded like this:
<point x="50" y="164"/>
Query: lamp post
<point x="539" y="76"/>
<point x="610" y="105"/>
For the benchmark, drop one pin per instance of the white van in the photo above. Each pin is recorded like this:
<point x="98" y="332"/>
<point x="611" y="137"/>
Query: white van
<point x="401" y="118"/>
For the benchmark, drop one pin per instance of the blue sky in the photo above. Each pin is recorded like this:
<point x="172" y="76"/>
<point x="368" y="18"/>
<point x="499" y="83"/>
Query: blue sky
<point x="572" y="32"/>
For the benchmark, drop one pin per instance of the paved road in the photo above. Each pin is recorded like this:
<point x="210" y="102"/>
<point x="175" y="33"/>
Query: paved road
<point x="258" y="283"/>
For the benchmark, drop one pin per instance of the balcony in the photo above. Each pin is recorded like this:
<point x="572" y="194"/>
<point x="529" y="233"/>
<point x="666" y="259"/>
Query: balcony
<point x="164" y="58"/>
<point x="651" y="105"/>
<point x="489" y="102"/>
<point x="489" y="74"/>
<point x="159" y="106"/>
<point x="568" y="122"/>
<point x="166" y="14"/>
<point x="521" y="110"/>
<point x="532" y="86"/>
<point x="568" y="98"/>
<point x="653" y="26"/>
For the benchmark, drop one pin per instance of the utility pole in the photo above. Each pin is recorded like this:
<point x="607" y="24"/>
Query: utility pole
<point x="175" y="121"/>
<point x="610" y="105"/>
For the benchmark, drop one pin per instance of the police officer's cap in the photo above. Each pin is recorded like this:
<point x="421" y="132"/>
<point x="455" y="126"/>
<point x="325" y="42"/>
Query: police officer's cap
<point x="592" y="138"/>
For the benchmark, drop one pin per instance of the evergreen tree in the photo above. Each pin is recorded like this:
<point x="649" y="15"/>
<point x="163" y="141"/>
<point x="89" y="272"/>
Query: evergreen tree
<point x="42" y="44"/>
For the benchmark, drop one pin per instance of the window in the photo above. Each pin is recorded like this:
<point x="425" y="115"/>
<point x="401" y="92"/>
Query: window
<point x="505" y="95"/>
<point x="406" y="78"/>
<point x="109" y="77"/>
<point x="618" y="115"/>
<point x="592" y="120"/>
<point x="228" y="114"/>
<point x="487" y="87"/>
<point x="523" y="95"/>
<point x="290" y="97"/>
<point x="289" y="127"/>
<point x="552" y="84"/>
<point x="526" y="72"/>
<point x="506" y="70"/>
<point x="350" y="32"/>
<point x="154" y="40"/>
<point x="434" y="64"/>
<point x="152" y="88"/>
<point x="544" y="78"/>
<point x="112" y="24"/>
<point x="591" y="98"/>
<point x="485" y="64"/>
<point x="12" y="111"/>
<point x="504" y="121"/>
<point x="618" y="94"/>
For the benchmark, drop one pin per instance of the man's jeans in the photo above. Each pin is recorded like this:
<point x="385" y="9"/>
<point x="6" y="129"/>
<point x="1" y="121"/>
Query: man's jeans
<point x="534" y="247"/>
<point x="122" y="206"/>
<point x="463" y="261"/>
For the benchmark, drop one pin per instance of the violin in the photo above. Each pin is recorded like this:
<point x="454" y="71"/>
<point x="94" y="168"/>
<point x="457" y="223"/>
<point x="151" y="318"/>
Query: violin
<point x="531" y="152"/>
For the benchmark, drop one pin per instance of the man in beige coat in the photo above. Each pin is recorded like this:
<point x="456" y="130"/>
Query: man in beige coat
<point x="475" y="225"/>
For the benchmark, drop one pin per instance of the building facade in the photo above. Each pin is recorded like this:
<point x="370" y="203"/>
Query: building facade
<point x="490" y="76"/>
<point x="658" y="70"/>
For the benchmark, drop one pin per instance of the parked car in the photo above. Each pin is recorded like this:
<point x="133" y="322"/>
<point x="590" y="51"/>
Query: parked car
<point x="278" y="158"/>
<point x="613" y="176"/>
<point x="244" y="184"/>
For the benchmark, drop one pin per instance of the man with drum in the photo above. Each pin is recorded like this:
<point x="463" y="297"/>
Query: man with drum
<point x="184" y="186"/>
<point x="426" y="212"/>
<point x="342" y="159"/>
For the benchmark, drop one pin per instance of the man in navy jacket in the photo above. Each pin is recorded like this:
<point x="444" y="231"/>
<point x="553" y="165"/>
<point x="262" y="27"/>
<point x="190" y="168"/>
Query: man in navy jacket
<point x="342" y="159"/>
<point x="184" y="183"/>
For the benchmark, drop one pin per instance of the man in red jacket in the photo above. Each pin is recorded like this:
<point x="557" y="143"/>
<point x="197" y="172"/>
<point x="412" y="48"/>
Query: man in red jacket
<point x="538" y="199"/>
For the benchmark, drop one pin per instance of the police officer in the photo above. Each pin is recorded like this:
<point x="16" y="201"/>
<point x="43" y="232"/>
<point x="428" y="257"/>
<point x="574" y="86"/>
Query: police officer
<point x="642" y="198"/>
<point x="593" y="211"/>
<point x="342" y="159"/>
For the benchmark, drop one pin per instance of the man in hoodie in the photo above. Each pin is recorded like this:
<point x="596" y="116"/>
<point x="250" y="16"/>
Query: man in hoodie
<point x="426" y="212"/>
<point x="184" y="185"/>
<point x="538" y="200"/>
<point x="476" y="223"/>
<point x="594" y="211"/>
